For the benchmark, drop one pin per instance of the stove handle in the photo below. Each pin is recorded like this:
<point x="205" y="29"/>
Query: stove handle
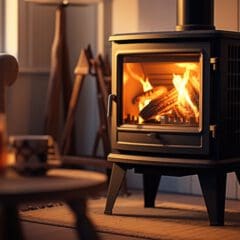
<point x="111" y="98"/>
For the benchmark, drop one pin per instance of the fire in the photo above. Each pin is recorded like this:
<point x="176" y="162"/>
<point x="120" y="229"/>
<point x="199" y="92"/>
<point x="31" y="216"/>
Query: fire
<point x="184" y="102"/>
<point x="146" y="87"/>
<point x="134" y="73"/>
<point x="177" y="102"/>
<point x="133" y="82"/>
<point x="171" y="100"/>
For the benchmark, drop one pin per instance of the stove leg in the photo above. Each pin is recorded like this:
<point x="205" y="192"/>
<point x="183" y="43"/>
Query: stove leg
<point x="116" y="180"/>
<point x="213" y="186"/>
<point x="150" y="188"/>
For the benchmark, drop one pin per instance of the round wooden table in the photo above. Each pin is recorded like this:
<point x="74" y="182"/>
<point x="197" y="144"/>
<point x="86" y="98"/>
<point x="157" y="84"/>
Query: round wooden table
<point x="70" y="186"/>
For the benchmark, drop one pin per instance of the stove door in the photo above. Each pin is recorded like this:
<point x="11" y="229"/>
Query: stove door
<point x="163" y="100"/>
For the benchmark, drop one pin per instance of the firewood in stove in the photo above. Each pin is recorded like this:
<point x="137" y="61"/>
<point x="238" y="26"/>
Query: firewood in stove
<point x="150" y="94"/>
<point x="193" y="92"/>
<point x="185" y="111"/>
<point x="164" y="119"/>
<point x="161" y="104"/>
<point x="195" y="83"/>
<point x="178" y="113"/>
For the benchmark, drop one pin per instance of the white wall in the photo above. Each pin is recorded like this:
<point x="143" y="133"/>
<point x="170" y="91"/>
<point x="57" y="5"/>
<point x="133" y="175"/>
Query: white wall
<point x="160" y="15"/>
<point x="157" y="15"/>
<point x="227" y="14"/>
<point x="124" y="16"/>
<point x="143" y="16"/>
<point x="1" y="25"/>
<point x="27" y="97"/>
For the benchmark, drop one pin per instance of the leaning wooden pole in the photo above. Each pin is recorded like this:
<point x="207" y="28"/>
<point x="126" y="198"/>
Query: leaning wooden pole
<point x="59" y="87"/>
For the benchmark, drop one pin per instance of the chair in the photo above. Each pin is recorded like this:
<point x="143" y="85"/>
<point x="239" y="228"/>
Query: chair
<point x="8" y="75"/>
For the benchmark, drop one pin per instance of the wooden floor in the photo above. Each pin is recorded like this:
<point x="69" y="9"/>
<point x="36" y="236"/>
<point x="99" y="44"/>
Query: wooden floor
<point x="35" y="231"/>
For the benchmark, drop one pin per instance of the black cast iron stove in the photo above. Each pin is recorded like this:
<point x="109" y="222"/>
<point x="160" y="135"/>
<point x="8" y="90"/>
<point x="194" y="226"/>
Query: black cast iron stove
<point x="175" y="106"/>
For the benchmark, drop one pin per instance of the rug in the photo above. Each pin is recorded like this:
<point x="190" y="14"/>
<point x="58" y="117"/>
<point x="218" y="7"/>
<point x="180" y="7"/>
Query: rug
<point x="175" y="217"/>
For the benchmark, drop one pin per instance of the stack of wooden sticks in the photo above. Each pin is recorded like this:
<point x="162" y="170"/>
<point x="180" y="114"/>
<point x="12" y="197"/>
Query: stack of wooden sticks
<point x="100" y="69"/>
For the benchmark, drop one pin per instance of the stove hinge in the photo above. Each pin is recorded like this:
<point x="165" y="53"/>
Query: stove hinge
<point x="213" y="62"/>
<point x="213" y="129"/>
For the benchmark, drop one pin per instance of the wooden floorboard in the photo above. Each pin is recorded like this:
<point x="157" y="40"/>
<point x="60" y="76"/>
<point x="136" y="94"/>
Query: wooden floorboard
<point x="36" y="231"/>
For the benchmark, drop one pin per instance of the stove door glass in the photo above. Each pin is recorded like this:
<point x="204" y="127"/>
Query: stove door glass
<point x="162" y="89"/>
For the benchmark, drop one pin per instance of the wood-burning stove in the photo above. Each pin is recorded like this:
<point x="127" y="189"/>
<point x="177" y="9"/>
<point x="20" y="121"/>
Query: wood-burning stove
<point x="175" y="106"/>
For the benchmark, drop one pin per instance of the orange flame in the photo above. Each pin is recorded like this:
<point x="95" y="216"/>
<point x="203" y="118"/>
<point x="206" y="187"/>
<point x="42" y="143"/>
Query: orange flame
<point x="136" y="73"/>
<point x="146" y="87"/>
<point x="173" y="100"/>
<point x="187" y="87"/>
<point x="184" y="99"/>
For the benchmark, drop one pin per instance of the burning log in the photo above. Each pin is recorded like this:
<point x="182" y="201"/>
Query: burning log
<point x="194" y="90"/>
<point x="159" y="105"/>
<point x="195" y="83"/>
<point x="193" y="95"/>
<point x="186" y="111"/>
<point x="178" y="113"/>
<point x="150" y="94"/>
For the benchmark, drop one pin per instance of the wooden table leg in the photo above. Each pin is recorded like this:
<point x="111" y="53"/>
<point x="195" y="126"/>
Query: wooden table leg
<point x="10" y="226"/>
<point x="85" y="228"/>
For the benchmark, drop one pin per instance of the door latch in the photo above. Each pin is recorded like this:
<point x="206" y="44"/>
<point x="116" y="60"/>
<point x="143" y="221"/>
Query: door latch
<point x="214" y="61"/>
<point x="213" y="129"/>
